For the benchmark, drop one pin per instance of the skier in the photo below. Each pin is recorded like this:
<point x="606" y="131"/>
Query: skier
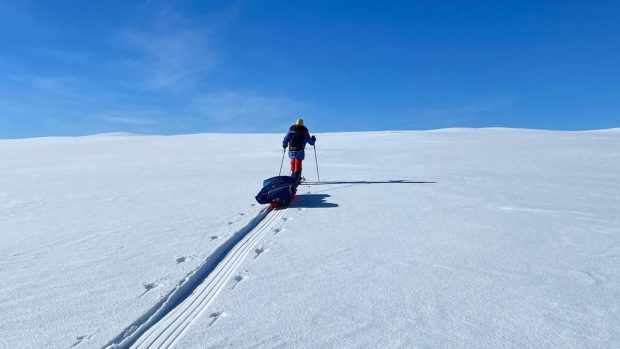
<point x="296" y="140"/>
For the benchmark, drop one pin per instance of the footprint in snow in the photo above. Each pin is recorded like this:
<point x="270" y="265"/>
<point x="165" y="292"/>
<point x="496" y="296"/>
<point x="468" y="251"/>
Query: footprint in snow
<point x="181" y="259"/>
<point x="213" y="237"/>
<point x="80" y="339"/>
<point x="230" y="223"/>
<point x="259" y="251"/>
<point x="586" y="278"/>
<point x="276" y="231"/>
<point x="148" y="287"/>
<point x="238" y="280"/>
<point x="216" y="316"/>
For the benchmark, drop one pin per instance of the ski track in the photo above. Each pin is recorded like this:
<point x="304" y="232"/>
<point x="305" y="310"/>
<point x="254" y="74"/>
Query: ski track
<point x="163" y="324"/>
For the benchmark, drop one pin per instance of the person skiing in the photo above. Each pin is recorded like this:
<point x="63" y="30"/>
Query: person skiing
<point x="296" y="140"/>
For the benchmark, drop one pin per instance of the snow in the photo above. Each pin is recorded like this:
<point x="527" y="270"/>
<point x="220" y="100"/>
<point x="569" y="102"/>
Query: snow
<point x="480" y="238"/>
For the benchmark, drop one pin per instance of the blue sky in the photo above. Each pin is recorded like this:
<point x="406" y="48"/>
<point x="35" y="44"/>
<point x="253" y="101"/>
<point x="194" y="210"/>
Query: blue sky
<point x="85" y="67"/>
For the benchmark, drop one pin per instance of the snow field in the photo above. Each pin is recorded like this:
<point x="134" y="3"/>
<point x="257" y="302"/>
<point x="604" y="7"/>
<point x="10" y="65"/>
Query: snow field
<point x="450" y="238"/>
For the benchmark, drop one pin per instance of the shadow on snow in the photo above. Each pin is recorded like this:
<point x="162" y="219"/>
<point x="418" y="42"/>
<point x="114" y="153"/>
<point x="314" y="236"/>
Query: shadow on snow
<point x="312" y="201"/>
<point x="393" y="181"/>
<point x="316" y="200"/>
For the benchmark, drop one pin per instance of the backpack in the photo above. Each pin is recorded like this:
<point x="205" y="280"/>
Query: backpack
<point x="297" y="137"/>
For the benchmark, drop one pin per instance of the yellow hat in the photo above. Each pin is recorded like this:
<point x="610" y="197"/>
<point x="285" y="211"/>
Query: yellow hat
<point x="299" y="122"/>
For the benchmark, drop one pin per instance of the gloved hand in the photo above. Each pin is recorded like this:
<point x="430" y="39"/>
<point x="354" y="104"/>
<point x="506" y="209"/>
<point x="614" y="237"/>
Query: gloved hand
<point x="313" y="139"/>
<point x="283" y="146"/>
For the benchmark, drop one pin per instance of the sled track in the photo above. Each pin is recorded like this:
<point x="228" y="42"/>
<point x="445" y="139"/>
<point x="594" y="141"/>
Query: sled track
<point x="163" y="324"/>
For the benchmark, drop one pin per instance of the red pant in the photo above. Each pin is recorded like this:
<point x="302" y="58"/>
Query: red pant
<point x="296" y="165"/>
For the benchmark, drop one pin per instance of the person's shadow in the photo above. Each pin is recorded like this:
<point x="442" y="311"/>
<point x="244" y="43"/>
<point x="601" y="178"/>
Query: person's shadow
<point x="316" y="200"/>
<point x="393" y="181"/>
<point x="313" y="201"/>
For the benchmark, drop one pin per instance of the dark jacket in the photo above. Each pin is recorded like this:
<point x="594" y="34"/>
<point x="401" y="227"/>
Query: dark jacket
<point x="296" y="140"/>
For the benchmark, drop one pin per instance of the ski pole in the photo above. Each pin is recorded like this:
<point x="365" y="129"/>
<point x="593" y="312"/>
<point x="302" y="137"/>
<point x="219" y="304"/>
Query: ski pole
<point x="316" y="161"/>
<point x="282" y="162"/>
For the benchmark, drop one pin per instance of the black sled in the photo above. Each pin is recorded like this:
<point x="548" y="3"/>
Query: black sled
<point x="277" y="191"/>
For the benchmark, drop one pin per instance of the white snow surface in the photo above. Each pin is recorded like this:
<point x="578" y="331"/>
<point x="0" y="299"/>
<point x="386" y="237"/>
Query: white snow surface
<point x="455" y="238"/>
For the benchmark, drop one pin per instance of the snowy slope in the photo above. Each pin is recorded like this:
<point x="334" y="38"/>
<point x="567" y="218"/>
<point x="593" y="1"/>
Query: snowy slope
<point x="450" y="238"/>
